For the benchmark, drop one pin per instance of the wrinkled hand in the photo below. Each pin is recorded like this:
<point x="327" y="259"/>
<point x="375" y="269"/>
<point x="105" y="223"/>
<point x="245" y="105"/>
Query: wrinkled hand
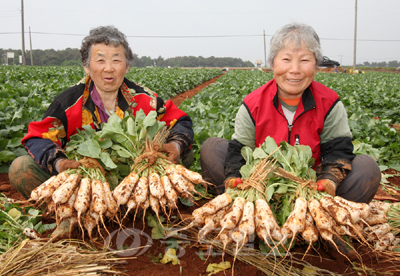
<point x="67" y="164"/>
<point x="232" y="182"/>
<point x="328" y="186"/>
<point x="173" y="150"/>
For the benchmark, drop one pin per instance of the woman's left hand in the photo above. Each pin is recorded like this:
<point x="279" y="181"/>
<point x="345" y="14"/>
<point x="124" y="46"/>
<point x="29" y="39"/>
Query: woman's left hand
<point x="327" y="185"/>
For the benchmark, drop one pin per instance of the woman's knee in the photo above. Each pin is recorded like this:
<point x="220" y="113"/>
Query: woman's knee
<point x="19" y="164"/>
<point x="25" y="175"/>
<point x="362" y="183"/>
<point x="212" y="158"/>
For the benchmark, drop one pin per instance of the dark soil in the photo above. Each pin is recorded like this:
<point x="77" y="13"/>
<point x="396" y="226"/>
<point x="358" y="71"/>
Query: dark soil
<point x="146" y="261"/>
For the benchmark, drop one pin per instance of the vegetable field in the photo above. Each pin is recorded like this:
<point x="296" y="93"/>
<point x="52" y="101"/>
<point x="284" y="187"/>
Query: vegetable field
<point x="372" y="103"/>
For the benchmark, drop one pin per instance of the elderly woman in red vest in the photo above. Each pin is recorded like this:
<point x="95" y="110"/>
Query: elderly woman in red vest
<point x="292" y="107"/>
<point x="106" y="57"/>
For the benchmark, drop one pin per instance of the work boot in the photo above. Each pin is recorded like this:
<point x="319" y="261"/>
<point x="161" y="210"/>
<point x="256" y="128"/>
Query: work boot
<point x="345" y="249"/>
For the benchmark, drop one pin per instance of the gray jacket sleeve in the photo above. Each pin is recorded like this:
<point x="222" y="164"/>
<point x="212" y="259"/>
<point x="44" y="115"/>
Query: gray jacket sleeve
<point x="245" y="135"/>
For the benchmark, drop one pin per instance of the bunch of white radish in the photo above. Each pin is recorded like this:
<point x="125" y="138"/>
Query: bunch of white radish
<point x="284" y="182"/>
<point x="158" y="190"/>
<point x="84" y="196"/>
<point x="153" y="182"/>
<point x="236" y="219"/>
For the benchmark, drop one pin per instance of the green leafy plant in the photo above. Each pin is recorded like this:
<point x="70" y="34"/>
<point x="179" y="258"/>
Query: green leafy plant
<point x="14" y="219"/>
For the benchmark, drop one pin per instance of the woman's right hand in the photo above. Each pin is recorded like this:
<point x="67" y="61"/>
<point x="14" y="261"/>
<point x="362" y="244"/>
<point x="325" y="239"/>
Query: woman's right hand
<point x="66" y="164"/>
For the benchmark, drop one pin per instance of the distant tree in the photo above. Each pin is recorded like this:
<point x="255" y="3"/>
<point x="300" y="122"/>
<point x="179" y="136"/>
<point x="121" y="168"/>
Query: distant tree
<point x="381" y="64"/>
<point x="159" y="62"/>
<point x="71" y="63"/>
<point x="393" y="63"/>
<point x="141" y="61"/>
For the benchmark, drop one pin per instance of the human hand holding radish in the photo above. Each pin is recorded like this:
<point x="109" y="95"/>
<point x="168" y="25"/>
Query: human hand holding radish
<point x="327" y="185"/>
<point x="173" y="150"/>
<point x="232" y="182"/>
<point x="66" y="164"/>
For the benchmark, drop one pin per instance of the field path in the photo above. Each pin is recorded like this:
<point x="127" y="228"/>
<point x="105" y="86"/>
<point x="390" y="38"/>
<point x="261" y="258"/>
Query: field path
<point x="190" y="93"/>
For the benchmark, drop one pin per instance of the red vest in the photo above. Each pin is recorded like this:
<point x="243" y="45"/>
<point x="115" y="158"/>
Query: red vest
<point x="308" y="122"/>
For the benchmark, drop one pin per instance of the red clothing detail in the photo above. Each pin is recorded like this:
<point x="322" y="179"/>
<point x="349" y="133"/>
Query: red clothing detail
<point x="308" y="123"/>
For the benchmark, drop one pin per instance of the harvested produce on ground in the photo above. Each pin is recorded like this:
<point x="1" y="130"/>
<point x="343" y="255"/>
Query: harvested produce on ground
<point x="288" y="206"/>
<point x="85" y="194"/>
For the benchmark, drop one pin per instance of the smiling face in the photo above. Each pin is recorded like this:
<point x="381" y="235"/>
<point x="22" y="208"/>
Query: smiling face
<point x="107" y="67"/>
<point x="294" y="70"/>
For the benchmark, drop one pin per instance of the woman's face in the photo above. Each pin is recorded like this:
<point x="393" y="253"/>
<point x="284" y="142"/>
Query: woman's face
<point x="107" y="67"/>
<point x="294" y="70"/>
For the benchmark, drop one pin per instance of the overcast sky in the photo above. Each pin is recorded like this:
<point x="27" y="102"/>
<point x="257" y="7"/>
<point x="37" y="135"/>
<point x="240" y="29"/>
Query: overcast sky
<point x="220" y="28"/>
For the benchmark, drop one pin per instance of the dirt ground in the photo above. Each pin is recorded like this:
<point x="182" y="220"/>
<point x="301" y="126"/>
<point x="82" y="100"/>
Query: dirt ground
<point x="192" y="261"/>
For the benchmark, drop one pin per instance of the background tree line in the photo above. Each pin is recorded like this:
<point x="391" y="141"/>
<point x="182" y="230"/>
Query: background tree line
<point x="72" y="57"/>
<point x="382" y="64"/>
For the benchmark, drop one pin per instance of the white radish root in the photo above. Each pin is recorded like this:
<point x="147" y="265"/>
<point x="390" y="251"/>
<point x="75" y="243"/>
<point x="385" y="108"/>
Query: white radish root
<point x="337" y="212"/>
<point x="82" y="201"/>
<point x="112" y="206"/>
<point x="240" y="238"/>
<point x="37" y="192"/>
<point x="179" y="182"/>
<point x="66" y="210"/>
<point x="266" y="226"/>
<point x="296" y="221"/>
<point x="232" y="217"/>
<point x="64" y="192"/>
<point x="170" y="194"/>
<point x="155" y="186"/>
<point x="364" y="208"/>
<point x="131" y="204"/>
<point x="140" y="194"/>
<point x="377" y="231"/>
<point x="51" y="187"/>
<point x="375" y="217"/>
<point x="212" y="207"/>
<point x="155" y="206"/>
<point x="328" y="236"/>
<point x="380" y="206"/>
<point x="89" y="223"/>
<point x="310" y="233"/>
<point x="122" y="192"/>
<point x="384" y="242"/>
<point x="211" y="223"/>
<point x="322" y="219"/>
<point x="99" y="205"/>
<point x="192" y="176"/>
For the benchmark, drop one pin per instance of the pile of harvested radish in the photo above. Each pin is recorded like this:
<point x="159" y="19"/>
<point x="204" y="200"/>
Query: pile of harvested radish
<point x="85" y="196"/>
<point x="280" y="203"/>
<point x="235" y="220"/>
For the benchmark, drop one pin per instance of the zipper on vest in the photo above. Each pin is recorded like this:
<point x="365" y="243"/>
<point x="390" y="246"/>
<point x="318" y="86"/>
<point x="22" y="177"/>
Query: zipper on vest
<point x="290" y="130"/>
<point x="297" y="139"/>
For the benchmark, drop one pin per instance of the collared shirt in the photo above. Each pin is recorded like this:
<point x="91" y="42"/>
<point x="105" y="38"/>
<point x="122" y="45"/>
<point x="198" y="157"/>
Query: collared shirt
<point x="104" y="114"/>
